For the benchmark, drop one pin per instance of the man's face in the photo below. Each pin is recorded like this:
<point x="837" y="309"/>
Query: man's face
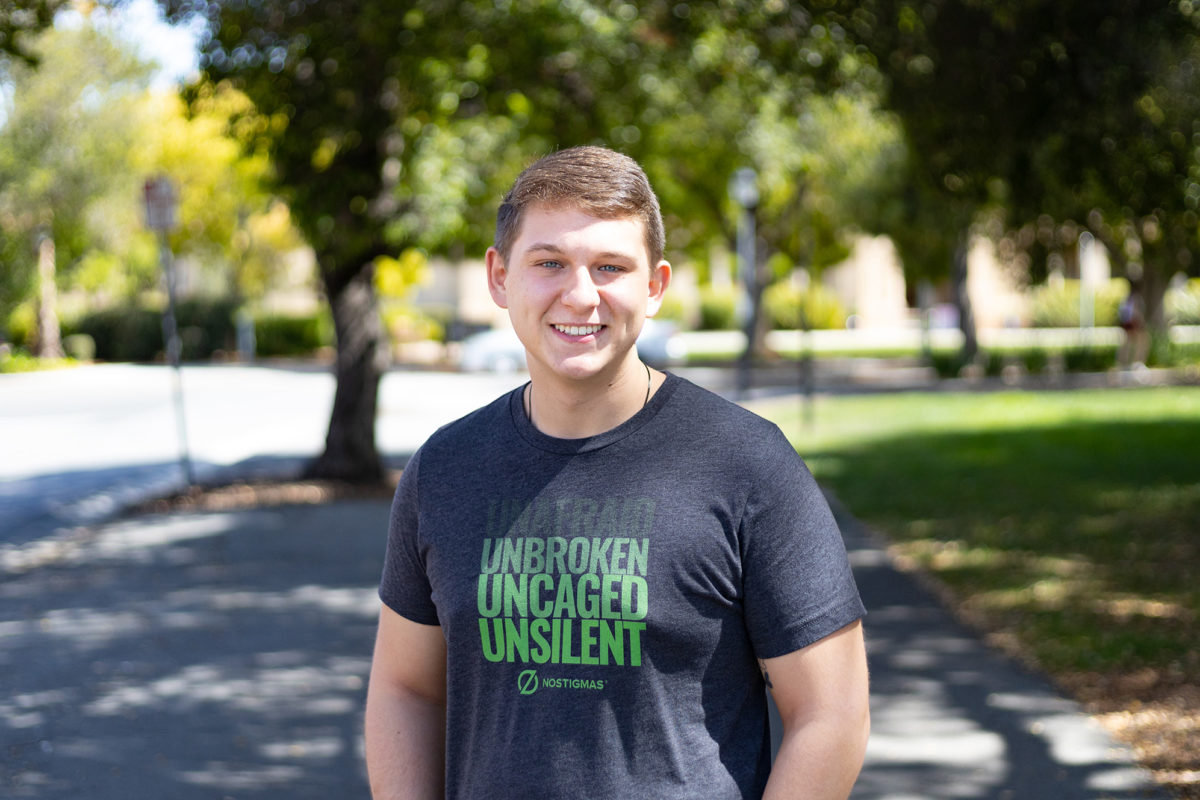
<point x="578" y="289"/>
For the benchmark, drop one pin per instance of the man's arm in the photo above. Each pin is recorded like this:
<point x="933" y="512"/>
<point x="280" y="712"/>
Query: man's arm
<point x="406" y="710"/>
<point x="821" y="693"/>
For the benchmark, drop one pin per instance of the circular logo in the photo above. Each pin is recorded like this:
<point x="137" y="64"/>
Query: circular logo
<point x="527" y="681"/>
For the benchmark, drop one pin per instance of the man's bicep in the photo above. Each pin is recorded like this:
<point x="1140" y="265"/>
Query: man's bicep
<point x="827" y="676"/>
<point x="410" y="656"/>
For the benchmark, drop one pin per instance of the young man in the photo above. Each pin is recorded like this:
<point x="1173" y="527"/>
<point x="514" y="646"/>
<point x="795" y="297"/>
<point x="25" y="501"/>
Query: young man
<point x="590" y="581"/>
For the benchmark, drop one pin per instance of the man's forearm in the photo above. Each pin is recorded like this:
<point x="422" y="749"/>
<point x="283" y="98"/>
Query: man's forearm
<point x="405" y="744"/>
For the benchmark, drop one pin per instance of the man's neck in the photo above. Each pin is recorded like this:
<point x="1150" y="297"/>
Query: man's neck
<point x="569" y="409"/>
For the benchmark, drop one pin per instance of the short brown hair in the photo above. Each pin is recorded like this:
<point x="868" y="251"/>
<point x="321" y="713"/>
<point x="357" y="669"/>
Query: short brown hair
<point x="596" y="180"/>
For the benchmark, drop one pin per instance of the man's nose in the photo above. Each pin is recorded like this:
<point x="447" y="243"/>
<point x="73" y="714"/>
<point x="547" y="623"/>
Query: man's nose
<point x="580" y="289"/>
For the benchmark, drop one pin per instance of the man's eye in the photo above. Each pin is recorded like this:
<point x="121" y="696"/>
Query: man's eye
<point x="611" y="268"/>
<point x="549" y="264"/>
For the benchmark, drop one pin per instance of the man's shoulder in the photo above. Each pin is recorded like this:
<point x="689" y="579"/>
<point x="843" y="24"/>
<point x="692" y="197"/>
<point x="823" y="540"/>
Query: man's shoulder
<point x="472" y="428"/>
<point x="705" y="409"/>
<point x="710" y="426"/>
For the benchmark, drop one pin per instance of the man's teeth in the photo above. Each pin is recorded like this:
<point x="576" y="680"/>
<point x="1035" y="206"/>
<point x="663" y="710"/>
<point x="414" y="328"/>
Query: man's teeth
<point x="578" y="330"/>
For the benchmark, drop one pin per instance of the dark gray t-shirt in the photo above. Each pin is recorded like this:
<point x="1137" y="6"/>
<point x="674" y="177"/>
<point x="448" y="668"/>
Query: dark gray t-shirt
<point x="604" y="600"/>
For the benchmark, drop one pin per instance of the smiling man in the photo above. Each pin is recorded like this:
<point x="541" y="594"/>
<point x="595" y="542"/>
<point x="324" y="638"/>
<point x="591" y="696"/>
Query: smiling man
<point x="590" y="581"/>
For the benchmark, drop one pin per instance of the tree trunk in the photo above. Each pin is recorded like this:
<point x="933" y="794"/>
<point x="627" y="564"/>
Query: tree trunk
<point x="350" y="450"/>
<point x="49" y="340"/>
<point x="962" y="299"/>
<point x="1153" y="289"/>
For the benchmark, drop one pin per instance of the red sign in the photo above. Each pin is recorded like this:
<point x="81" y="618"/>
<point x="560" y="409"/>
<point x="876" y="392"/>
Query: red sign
<point x="160" y="198"/>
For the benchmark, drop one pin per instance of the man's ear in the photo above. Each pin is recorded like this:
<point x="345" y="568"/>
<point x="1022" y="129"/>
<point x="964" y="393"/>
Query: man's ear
<point x="660" y="278"/>
<point x="497" y="275"/>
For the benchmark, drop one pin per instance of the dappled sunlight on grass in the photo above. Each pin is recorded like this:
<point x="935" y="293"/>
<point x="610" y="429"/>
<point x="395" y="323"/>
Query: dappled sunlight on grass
<point x="1066" y="524"/>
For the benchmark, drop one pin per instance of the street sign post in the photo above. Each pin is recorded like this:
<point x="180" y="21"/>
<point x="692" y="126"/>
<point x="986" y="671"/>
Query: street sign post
<point x="161" y="201"/>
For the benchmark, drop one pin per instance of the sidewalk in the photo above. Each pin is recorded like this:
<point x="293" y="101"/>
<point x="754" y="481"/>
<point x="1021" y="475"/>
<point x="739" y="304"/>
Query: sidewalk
<point x="225" y="655"/>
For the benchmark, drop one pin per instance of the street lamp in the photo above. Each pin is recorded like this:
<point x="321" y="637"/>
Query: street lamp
<point x="161" y="201"/>
<point x="743" y="189"/>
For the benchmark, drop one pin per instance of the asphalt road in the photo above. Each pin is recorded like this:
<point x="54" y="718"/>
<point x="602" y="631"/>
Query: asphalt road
<point x="77" y="445"/>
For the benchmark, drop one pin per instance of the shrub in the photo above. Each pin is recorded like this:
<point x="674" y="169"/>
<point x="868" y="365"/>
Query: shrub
<point x="787" y="307"/>
<point x="406" y="323"/>
<point x="947" y="363"/>
<point x="1185" y="353"/>
<point x="718" y="309"/>
<point x="123" y="334"/>
<point x="1093" y="358"/>
<point x="1183" y="304"/>
<point x="206" y="325"/>
<point x="284" y="335"/>
<point x="135" y="333"/>
<point x="20" y="325"/>
<point x="1058" y="306"/>
<point x="79" y="346"/>
<point x="673" y="309"/>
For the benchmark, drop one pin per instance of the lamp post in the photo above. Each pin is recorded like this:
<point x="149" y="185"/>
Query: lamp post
<point x="743" y="189"/>
<point x="161" y="200"/>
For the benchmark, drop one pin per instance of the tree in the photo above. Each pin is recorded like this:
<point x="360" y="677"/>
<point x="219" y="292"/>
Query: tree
<point x="80" y="133"/>
<point x="19" y="22"/>
<point x="361" y="98"/>
<point x="63" y="152"/>
<point x="229" y="222"/>
<point x="392" y="128"/>
<point x="1041" y="107"/>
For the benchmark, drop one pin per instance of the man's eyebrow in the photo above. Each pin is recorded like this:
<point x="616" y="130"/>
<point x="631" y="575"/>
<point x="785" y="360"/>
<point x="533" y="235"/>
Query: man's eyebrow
<point x="550" y="247"/>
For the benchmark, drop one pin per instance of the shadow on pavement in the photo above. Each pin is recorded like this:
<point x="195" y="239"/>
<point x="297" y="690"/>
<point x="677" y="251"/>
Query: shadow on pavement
<point x="194" y="656"/>
<point x="952" y="719"/>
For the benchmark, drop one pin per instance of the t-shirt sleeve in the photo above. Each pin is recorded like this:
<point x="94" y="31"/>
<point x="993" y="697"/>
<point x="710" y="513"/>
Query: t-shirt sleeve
<point x="798" y="587"/>
<point x="405" y="587"/>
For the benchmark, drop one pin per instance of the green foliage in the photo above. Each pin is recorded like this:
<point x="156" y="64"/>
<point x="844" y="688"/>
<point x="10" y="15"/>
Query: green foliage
<point x="396" y="278"/>
<point x="123" y="333"/>
<point x="21" y="21"/>
<point x="405" y="323"/>
<point x="1093" y="358"/>
<point x="1098" y="99"/>
<point x="20" y="325"/>
<point x="80" y="347"/>
<point x="66" y="166"/>
<point x="81" y="132"/>
<point x="673" y="309"/>
<point x="1185" y="354"/>
<point x="1030" y="360"/>
<point x="1183" y="303"/>
<point x="292" y="335"/>
<point x="718" y="309"/>
<point x="21" y="361"/>
<point x="135" y="333"/>
<point x="1057" y="305"/>
<point x="791" y="308"/>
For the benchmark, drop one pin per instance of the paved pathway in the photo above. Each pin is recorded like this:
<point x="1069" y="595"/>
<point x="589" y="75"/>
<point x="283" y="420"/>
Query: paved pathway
<point x="224" y="655"/>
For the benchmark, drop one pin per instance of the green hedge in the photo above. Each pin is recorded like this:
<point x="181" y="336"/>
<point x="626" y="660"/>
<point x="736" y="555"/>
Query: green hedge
<point x="787" y="307"/>
<point x="1057" y="306"/>
<point x="1032" y="360"/>
<point x="135" y="333"/>
<point x="718" y="309"/>
<point x="291" y="335"/>
<point x="1183" y="303"/>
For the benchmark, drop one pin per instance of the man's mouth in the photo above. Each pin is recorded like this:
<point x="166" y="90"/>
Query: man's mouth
<point x="578" y="330"/>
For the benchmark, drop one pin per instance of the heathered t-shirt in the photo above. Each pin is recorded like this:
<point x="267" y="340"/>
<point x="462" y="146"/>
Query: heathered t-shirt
<point x="604" y="600"/>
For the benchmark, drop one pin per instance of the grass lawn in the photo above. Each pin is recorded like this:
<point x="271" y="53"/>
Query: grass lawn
<point x="1066" y="524"/>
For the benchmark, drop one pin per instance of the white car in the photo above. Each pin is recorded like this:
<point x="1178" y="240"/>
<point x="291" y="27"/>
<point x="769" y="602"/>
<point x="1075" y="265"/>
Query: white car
<point x="499" y="350"/>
